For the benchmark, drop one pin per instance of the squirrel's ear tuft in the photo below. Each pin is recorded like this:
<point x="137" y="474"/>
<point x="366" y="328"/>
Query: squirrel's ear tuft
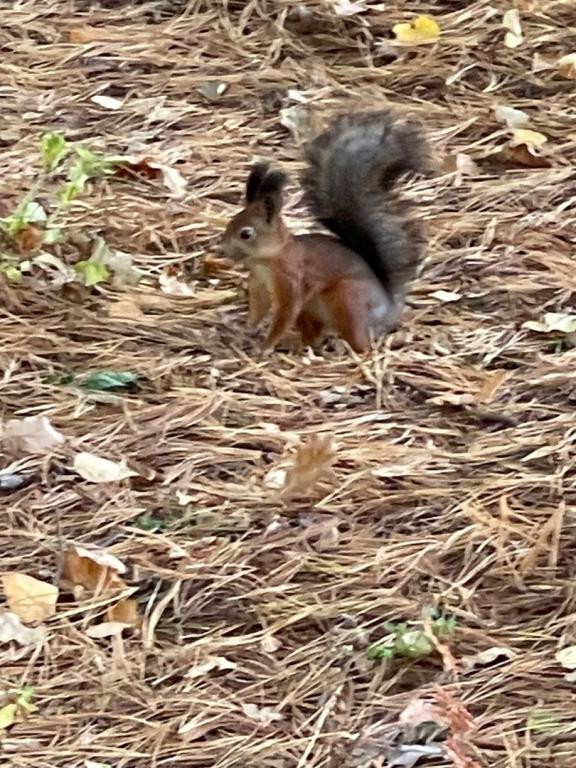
<point x="270" y="193"/>
<point x="255" y="179"/>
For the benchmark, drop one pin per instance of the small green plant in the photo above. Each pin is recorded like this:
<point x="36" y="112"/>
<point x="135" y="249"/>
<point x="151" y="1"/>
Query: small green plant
<point x="410" y="642"/>
<point x="57" y="158"/>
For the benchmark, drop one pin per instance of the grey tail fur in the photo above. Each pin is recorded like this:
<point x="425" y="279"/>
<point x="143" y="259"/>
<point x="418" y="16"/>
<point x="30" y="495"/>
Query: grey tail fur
<point x="350" y="183"/>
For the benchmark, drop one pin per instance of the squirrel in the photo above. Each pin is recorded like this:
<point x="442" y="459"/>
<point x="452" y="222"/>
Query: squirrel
<point x="353" y="281"/>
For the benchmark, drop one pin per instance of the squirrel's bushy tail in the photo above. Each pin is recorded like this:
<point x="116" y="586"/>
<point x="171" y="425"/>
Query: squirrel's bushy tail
<point x="349" y="183"/>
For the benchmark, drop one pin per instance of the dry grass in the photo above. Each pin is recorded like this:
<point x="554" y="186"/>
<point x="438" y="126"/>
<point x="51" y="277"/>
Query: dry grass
<point x="453" y="482"/>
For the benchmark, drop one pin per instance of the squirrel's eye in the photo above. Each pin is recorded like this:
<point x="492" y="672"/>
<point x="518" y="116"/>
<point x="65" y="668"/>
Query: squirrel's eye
<point x="246" y="233"/>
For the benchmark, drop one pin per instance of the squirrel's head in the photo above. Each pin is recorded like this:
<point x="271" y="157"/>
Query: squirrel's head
<point x="256" y="226"/>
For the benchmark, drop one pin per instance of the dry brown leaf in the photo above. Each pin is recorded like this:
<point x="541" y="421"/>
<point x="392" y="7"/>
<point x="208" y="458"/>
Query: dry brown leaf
<point x="491" y="385"/>
<point x="312" y="460"/>
<point x="86" y="34"/>
<point x="300" y="120"/>
<point x="30" y="599"/>
<point x="263" y="715"/>
<point x="94" y="570"/>
<point x="567" y="66"/>
<point x="124" y="612"/>
<point x="29" y="239"/>
<point x="173" y="286"/>
<point x="12" y="629"/>
<point x="419" y="711"/>
<point x="33" y="434"/>
<point x="485" y="657"/>
<point x="125" y="309"/>
<point x="512" y="25"/>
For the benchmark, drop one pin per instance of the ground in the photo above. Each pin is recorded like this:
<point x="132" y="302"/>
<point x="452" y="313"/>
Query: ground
<point x="451" y="492"/>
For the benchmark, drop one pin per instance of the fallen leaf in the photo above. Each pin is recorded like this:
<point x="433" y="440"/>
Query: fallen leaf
<point x="91" y="272"/>
<point x="172" y="286"/>
<point x="513" y="27"/>
<point x="521" y="155"/>
<point x="95" y="570"/>
<point x="125" y="612"/>
<point x="419" y="711"/>
<point x="422" y="30"/>
<point x="446" y="296"/>
<point x="29" y="239"/>
<point x="263" y="715"/>
<point x="349" y="7"/>
<point x="533" y="140"/>
<point x="512" y="117"/>
<point x="30" y="599"/>
<point x="125" y="309"/>
<point x="212" y="89"/>
<point x="270" y="644"/>
<point x="312" y="460"/>
<point x="87" y="34"/>
<point x="8" y="716"/>
<point x="541" y="64"/>
<point x="491" y="385"/>
<point x="118" y="263"/>
<point x="275" y="478"/>
<point x="96" y="469"/>
<point x="567" y="66"/>
<point x="33" y="434"/>
<point x="220" y="663"/>
<point x="12" y="629"/>
<point x="105" y="380"/>
<point x="107" y="102"/>
<point x="130" y="166"/>
<point x="173" y="180"/>
<point x="567" y="657"/>
<point x="465" y="166"/>
<point x="107" y="629"/>
<point x="488" y="656"/>
<point x="408" y="755"/>
<point x="554" y="322"/>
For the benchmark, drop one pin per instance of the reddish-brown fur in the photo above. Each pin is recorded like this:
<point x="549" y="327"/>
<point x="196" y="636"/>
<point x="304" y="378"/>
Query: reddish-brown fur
<point x="312" y="282"/>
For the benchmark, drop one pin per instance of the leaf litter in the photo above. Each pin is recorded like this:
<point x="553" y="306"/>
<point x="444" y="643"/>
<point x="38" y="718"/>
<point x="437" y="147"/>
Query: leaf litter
<point x="425" y="497"/>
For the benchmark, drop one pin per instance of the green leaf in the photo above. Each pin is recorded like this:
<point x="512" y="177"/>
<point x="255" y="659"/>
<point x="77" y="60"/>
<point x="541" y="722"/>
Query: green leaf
<point x="33" y="213"/>
<point x="105" y="380"/>
<point x="147" y="522"/>
<point x="25" y="699"/>
<point x="91" y="272"/>
<point x="59" y="379"/>
<point x="53" y="235"/>
<point x="69" y="192"/>
<point x="11" y="272"/>
<point x="53" y="149"/>
<point x="380" y="651"/>
<point x="8" y="716"/>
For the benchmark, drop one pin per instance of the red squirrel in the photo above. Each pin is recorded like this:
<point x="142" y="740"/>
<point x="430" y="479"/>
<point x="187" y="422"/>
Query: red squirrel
<point x="354" y="281"/>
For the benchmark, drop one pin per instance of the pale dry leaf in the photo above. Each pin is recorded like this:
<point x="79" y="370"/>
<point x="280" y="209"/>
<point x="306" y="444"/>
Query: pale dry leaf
<point x="541" y="64"/>
<point x="174" y="287"/>
<point x="446" y="296"/>
<point x="312" y="460"/>
<point x="465" y="166"/>
<point x="512" y="117"/>
<point x="492" y="384"/>
<point x="12" y="629"/>
<point x="107" y="102"/>
<point x="33" y="434"/>
<point x="172" y="179"/>
<point x="553" y="322"/>
<point x="275" y="478"/>
<point x="299" y="120"/>
<point x="349" y="7"/>
<point x="567" y="657"/>
<point x="270" y="643"/>
<point x="219" y="663"/>
<point x="408" y="755"/>
<point x="93" y="570"/>
<point x="567" y="66"/>
<point x="420" y="711"/>
<point x="107" y="629"/>
<point x="533" y="140"/>
<point x="422" y="30"/>
<point x="485" y="657"/>
<point x="263" y="715"/>
<point x="125" y="309"/>
<point x="101" y="557"/>
<point x="97" y="469"/>
<point x="30" y="599"/>
<point x="512" y="25"/>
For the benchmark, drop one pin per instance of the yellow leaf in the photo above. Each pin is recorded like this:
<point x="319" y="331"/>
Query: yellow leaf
<point x="125" y="612"/>
<point x="420" y="31"/>
<point x="96" y="469"/>
<point x="8" y="716"/>
<point x="567" y="66"/>
<point x="531" y="139"/>
<point x="30" y="599"/>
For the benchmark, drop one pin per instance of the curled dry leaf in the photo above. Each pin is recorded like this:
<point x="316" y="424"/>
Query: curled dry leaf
<point x="148" y="168"/>
<point x="533" y="140"/>
<point x="107" y="102"/>
<point x="422" y="30"/>
<point x="96" y="469"/>
<point x="30" y="599"/>
<point x="553" y="322"/>
<point x="312" y="460"/>
<point x="107" y="629"/>
<point x="419" y="711"/>
<point x="300" y="120"/>
<point x="171" y="285"/>
<point x="33" y="434"/>
<point x="29" y="239"/>
<point x="124" y="612"/>
<point x="488" y="656"/>
<point x="513" y="27"/>
<point x="263" y="715"/>
<point x="446" y="296"/>
<point x="567" y="657"/>
<point x="125" y="309"/>
<point x="12" y="629"/>
<point x="93" y="569"/>
<point x="349" y="7"/>
<point x="219" y="663"/>
<point x="512" y="117"/>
